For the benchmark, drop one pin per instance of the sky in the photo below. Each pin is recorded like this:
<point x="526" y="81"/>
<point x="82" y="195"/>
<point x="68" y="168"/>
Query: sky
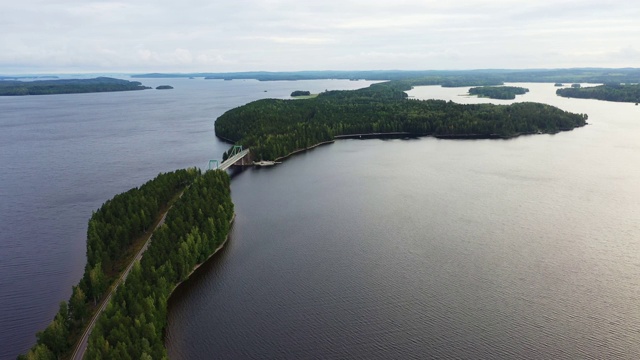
<point x="84" y="36"/>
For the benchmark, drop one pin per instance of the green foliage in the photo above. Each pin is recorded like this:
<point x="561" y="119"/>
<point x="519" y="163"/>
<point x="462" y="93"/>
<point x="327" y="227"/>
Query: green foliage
<point x="39" y="352"/>
<point x="498" y="92"/>
<point x="132" y="325"/>
<point x="164" y="87"/>
<point x="67" y="86"/>
<point x="275" y="128"/>
<point x="53" y="341"/>
<point x="300" y="93"/>
<point x="111" y="232"/>
<point x="119" y="221"/>
<point x="608" y="92"/>
<point x="78" y="308"/>
<point x="55" y="336"/>
<point x="97" y="282"/>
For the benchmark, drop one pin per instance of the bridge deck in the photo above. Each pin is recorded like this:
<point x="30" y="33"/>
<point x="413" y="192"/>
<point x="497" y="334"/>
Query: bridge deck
<point x="232" y="160"/>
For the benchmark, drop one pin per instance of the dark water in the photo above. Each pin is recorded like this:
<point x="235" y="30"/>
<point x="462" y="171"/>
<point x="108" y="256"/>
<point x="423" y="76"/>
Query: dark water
<point x="519" y="249"/>
<point x="62" y="156"/>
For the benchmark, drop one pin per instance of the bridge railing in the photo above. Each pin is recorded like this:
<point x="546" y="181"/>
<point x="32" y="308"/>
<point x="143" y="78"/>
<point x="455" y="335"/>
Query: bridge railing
<point x="233" y="159"/>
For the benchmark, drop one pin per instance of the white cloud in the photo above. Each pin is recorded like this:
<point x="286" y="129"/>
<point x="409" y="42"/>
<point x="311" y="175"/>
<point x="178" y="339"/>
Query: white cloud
<point x="294" y="40"/>
<point x="199" y="35"/>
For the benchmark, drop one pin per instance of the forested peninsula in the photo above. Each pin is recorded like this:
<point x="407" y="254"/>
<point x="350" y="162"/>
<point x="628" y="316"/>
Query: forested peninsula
<point x="67" y="86"/>
<point x="196" y="225"/>
<point x="498" y="92"/>
<point x="132" y="326"/>
<point x="275" y="128"/>
<point x="608" y="92"/>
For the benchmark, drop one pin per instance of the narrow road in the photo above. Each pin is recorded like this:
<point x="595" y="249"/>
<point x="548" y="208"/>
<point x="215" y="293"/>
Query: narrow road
<point x="81" y="347"/>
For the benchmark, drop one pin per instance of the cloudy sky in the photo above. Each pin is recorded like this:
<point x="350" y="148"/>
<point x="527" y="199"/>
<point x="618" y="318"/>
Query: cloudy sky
<point x="278" y="35"/>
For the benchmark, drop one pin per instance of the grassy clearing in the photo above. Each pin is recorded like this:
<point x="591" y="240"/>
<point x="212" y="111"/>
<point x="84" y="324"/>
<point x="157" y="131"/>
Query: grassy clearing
<point x="305" y="96"/>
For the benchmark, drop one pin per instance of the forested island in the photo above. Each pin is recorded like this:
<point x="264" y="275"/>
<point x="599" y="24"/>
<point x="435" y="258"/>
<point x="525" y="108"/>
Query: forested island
<point x="275" y="128"/>
<point x="300" y="93"/>
<point x="67" y="86"/>
<point x="195" y="226"/>
<point x="498" y="92"/>
<point x="164" y="87"/>
<point x="608" y="92"/>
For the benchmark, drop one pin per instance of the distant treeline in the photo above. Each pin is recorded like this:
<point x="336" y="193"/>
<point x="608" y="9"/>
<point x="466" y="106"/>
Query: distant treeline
<point x="608" y="92"/>
<point x="112" y="230"/>
<point x="498" y="92"/>
<point x="132" y="325"/>
<point x="275" y="128"/>
<point x="67" y="86"/>
<point x="438" y="77"/>
<point x="28" y="77"/>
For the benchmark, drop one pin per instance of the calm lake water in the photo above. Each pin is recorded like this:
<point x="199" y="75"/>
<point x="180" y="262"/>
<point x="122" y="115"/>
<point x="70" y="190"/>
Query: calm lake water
<point x="526" y="248"/>
<point x="419" y="248"/>
<point x="62" y="156"/>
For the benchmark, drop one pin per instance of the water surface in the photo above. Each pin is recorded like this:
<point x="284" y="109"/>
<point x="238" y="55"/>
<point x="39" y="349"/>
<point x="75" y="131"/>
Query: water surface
<point x="62" y="156"/>
<point x="425" y="248"/>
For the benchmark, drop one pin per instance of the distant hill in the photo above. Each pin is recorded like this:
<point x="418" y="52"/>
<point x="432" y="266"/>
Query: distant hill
<point x="607" y="92"/>
<point x="67" y="86"/>
<point x="34" y="77"/>
<point x="450" y="78"/>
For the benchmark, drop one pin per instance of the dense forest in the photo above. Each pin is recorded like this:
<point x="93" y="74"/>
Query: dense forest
<point x="132" y="325"/>
<point x="67" y="86"/>
<point x="608" y="92"/>
<point x="498" y="92"/>
<point x="112" y="231"/>
<point x="275" y="128"/>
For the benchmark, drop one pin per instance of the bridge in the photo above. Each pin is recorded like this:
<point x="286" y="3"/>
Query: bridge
<point x="237" y="155"/>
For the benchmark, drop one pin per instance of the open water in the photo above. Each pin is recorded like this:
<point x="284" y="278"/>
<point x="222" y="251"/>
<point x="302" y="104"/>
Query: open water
<point x="62" y="156"/>
<point x="526" y="248"/>
<point x="417" y="248"/>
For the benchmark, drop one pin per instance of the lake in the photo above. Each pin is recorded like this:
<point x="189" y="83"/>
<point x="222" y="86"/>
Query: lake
<point x="425" y="248"/>
<point x="62" y="156"/>
<point x="415" y="248"/>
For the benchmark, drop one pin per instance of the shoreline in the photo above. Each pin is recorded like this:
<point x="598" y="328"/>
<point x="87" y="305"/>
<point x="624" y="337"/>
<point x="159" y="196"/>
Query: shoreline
<point x="305" y="149"/>
<point x="377" y="135"/>
<point x="398" y="135"/>
<point x="225" y="139"/>
<point x="220" y="247"/>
